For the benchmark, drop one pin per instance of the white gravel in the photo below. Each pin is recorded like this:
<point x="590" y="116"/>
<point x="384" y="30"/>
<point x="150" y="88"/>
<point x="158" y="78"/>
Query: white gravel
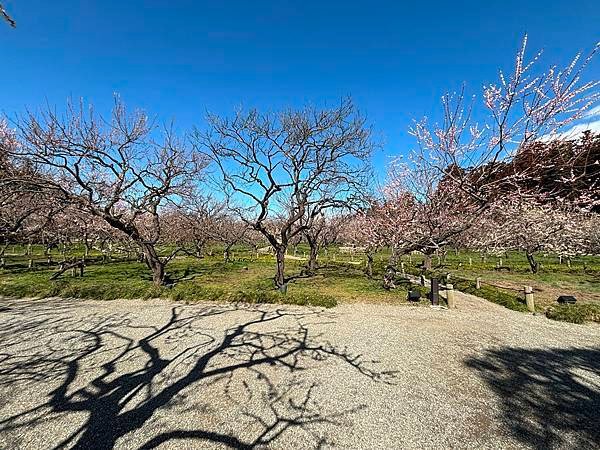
<point x="144" y="374"/>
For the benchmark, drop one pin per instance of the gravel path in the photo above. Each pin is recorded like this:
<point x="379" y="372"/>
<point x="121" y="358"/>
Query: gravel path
<point x="157" y="374"/>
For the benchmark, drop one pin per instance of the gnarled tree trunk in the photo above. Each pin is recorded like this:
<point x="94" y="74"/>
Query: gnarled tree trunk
<point x="369" y="269"/>
<point x="312" y="264"/>
<point x="533" y="264"/>
<point x="280" y="281"/>
<point x="154" y="263"/>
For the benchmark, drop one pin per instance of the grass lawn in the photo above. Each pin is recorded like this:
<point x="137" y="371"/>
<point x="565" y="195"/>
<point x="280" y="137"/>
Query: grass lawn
<point x="340" y="279"/>
<point x="581" y="279"/>
<point x="244" y="279"/>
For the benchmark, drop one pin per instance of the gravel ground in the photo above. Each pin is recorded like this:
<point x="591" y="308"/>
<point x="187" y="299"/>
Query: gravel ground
<point x="157" y="374"/>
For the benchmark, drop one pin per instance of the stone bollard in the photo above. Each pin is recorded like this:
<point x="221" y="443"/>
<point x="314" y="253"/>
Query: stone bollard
<point x="478" y="283"/>
<point x="450" y="296"/>
<point x="529" y="298"/>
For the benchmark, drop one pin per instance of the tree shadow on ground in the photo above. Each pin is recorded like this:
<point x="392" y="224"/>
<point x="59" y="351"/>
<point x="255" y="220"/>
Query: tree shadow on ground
<point x="550" y="398"/>
<point x="126" y="375"/>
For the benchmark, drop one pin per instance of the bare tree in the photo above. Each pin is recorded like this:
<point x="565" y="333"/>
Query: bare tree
<point x="281" y="170"/>
<point x="112" y="169"/>
<point x="320" y="233"/>
<point x="230" y="231"/>
<point x="25" y="208"/>
<point x="7" y="17"/>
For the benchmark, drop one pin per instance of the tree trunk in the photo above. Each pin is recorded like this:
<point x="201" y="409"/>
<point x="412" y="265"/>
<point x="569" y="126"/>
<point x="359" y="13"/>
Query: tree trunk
<point x="369" y="264"/>
<point x="389" y="279"/>
<point x="280" y="282"/>
<point x="427" y="262"/>
<point x="532" y="262"/>
<point x="312" y="259"/>
<point x="154" y="263"/>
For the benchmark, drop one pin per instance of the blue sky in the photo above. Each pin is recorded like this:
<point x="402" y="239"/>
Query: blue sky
<point x="178" y="59"/>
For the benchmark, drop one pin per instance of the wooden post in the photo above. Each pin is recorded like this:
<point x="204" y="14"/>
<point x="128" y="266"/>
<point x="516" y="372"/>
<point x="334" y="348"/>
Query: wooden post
<point x="478" y="283"/>
<point x="500" y="264"/>
<point x="470" y="261"/>
<point x="30" y="264"/>
<point x="529" y="298"/>
<point x="402" y="268"/>
<point x="450" y="296"/>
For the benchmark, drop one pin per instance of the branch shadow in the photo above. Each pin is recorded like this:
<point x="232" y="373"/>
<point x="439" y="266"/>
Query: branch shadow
<point x="549" y="398"/>
<point x="126" y="375"/>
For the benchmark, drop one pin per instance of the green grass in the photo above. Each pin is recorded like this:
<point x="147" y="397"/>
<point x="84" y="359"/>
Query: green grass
<point x="501" y="297"/>
<point x="192" y="279"/>
<point x="577" y="313"/>
<point x="341" y="279"/>
<point x="581" y="279"/>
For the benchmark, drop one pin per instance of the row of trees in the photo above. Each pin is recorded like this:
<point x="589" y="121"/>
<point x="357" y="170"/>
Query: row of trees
<point x="305" y="175"/>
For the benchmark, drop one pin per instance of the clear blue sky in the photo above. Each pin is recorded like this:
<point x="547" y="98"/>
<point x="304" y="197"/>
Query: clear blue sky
<point x="177" y="59"/>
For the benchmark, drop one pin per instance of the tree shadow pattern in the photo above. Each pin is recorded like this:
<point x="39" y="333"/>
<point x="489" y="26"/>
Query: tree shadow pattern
<point x="122" y="374"/>
<point x="550" y="398"/>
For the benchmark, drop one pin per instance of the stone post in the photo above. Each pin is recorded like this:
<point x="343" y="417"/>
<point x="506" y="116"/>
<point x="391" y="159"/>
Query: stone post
<point x="470" y="261"/>
<point x="478" y="283"/>
<point x="450" y="296"/>
<point x="529" y="298"/>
